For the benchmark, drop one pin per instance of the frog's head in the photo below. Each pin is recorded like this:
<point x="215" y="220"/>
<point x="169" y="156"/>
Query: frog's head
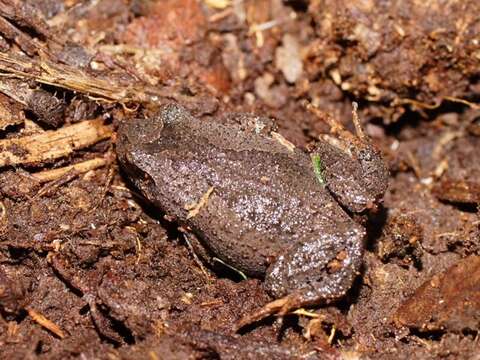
<point x="144" y="131"/>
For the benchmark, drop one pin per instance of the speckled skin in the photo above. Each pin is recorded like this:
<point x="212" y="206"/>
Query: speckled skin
<point x="268" y="215"/>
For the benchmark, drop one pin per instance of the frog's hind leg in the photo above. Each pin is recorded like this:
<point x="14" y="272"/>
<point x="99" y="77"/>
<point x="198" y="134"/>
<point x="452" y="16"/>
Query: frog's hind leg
<point x="312" y="272"/>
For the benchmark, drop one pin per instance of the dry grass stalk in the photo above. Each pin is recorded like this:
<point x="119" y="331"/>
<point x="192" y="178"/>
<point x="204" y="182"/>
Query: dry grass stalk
<point x="50" y="73"/>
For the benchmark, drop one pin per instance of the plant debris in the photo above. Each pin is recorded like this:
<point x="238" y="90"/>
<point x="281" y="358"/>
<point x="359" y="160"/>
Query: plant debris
<point x="47" y="324"/>
<point x="89" y="270"/>
<point x="449" y="301"/>
<point x="194" y="209"/>
<point x="53" y="144"/>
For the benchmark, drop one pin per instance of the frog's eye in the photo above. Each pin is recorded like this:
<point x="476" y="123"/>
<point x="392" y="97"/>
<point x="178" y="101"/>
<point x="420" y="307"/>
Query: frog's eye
<point x="365" y="155"/>
<point x="172" y="114"/>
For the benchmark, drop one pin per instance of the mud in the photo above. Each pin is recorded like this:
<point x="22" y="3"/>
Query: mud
<point x="113" y="279"/>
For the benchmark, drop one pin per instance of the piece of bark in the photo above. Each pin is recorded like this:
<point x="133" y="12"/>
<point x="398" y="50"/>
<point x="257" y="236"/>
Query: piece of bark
<point x="458" y="191"/>
<point x="448" y="301"/>
<point x="47" y="108"/>
<point x="21" y="39"/>
<point x="24" y="14"/>
<point x="53" y="144"/>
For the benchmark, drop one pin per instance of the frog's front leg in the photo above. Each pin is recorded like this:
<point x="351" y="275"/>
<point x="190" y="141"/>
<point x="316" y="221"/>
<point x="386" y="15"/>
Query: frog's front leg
<point x="313" y="272"/>
<point x="351" y="166"/>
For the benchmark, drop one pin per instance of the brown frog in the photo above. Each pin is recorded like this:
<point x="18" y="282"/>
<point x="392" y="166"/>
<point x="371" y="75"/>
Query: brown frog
<point x="256" y="202"/>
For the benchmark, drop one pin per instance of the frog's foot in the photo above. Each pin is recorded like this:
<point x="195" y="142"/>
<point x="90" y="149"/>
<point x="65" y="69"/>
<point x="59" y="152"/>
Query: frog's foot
<point x="279" y="307"/>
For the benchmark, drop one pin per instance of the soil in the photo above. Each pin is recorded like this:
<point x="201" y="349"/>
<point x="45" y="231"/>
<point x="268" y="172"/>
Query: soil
<point x="90" y="270"/>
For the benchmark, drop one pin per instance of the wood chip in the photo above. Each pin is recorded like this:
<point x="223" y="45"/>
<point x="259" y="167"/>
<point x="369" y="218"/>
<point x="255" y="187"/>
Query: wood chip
<point x="218" y="4"/>
<point x="47" y="324"/>
<point x="52" y="144"/>
<point x="194" y="209"/>
<point x="449" y="301"/>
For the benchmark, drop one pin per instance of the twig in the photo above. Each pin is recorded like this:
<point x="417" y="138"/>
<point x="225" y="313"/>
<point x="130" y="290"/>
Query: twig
<point x="52" y="144"/>
<point x="47" y="324"/>
<point x="82" y="167"/>
<point x="54" y="185"/>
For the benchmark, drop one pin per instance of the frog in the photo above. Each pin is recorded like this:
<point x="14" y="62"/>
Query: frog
<point x="256" y="202"/>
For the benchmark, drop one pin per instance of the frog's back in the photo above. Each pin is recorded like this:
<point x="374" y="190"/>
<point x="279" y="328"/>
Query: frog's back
<point x="254" y="195"/>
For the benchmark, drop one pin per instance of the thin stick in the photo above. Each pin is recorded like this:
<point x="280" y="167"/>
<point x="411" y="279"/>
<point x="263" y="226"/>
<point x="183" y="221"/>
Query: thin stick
<point x="82" y="167"/>
<point x="47" y="324"/>
<point x="107" y="89"/>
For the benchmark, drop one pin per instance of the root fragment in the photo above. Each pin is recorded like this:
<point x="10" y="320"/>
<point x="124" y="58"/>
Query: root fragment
<point x="83" y="167"/>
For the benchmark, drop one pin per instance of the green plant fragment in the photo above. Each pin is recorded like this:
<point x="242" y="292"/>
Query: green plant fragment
<point x="318" y="168"/>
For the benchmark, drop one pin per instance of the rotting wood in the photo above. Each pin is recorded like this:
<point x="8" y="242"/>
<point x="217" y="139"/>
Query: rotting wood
<point x="53" y="144"/>
<point x="82" y="167"/>
<point x="9" y="115"/>
<point x="25" y="14"/>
